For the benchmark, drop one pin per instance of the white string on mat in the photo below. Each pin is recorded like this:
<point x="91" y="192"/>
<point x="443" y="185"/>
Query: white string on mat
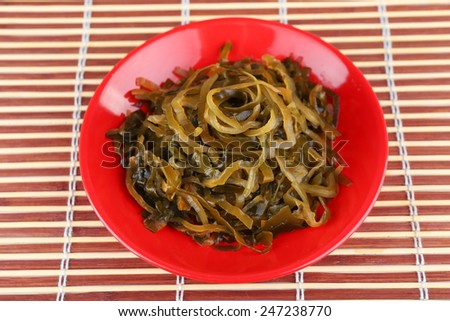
<point x="76" y="115"/>
<point x="300" y="291"/>
<point x="299" y="275"/>
<point x="282" y="11"/>
<point x="185" y="12"/>
<point x="415" y="225"/>
<point x="179" y="295"/>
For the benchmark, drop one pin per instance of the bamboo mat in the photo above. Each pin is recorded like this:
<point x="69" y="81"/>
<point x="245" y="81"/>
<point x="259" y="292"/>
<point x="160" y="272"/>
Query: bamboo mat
<point x="54" y="54"/>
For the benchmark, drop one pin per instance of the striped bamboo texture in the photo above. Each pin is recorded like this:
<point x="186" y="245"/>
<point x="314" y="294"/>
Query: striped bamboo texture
<point x="39" y="53"/>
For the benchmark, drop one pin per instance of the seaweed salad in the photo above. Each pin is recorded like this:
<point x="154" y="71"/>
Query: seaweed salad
<point x="234" y="153"/>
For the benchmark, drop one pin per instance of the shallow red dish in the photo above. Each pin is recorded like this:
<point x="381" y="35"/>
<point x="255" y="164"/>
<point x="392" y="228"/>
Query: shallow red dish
<point x="361" y="122"/>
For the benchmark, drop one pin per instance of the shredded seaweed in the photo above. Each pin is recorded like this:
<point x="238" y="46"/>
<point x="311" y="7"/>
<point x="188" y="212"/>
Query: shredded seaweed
<point x="234" y="153"/>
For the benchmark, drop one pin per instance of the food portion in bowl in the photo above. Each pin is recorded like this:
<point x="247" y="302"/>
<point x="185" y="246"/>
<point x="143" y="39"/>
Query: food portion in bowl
<point x="233" y="153"/>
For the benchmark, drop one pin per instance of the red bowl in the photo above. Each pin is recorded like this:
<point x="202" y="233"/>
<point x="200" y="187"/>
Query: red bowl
<point x="361" y="123"/>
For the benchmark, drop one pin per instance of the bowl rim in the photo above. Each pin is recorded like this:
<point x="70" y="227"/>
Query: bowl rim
<point x="173" y="268"/>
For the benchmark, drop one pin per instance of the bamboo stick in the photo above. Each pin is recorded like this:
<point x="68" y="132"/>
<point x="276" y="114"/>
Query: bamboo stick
<point x="196" y="17"/>
<point x="221" y="287"/>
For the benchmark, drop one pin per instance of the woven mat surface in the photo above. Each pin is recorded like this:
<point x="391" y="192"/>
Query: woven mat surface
<point x="402" y="251"/>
